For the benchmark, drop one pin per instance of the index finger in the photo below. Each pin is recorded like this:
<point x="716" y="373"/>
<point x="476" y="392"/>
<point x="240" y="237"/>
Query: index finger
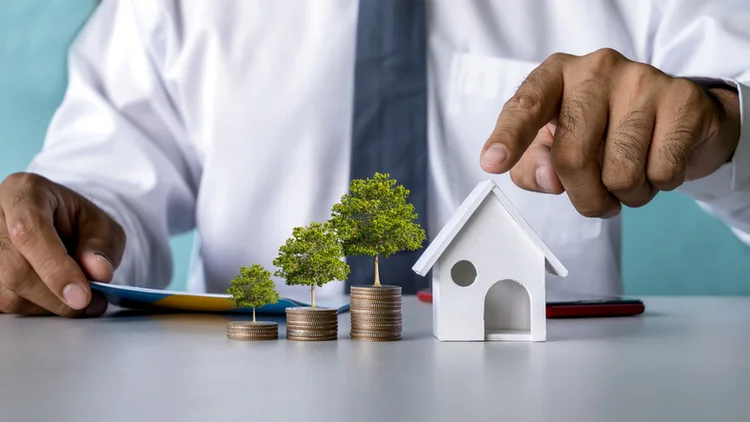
<point x="532" y="106"/>
<point x="30" y="226"/>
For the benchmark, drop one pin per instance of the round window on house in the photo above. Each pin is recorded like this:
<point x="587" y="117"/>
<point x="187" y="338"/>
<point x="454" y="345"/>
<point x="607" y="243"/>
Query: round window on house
<point x="463" y="273"/>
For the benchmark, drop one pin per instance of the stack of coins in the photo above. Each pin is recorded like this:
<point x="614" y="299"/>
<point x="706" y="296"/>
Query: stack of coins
<point x="376" y="313"/>
<point x="312" y="324"/>
<point x="251" y="331"/>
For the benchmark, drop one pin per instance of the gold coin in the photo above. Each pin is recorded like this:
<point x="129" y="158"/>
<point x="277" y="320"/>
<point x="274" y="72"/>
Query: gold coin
<point x="259" y="325"/>
<point x="378" y="325"/>
<point x="376" y="330"/>
<point x="375" y="306"/>
<point x="252" y="324"/>
<point x="376" y="293"/>
<point x="354" y="302"/>
<point x="312" y="311"/>
<point x="359" y="299"/>
<point x="246" y="337"/>
<point x="372" y="293"/>
<point x="305" y="319"/>
<point x="253" y="328"/>
<point x="252" y="333"/>
<point x="312" y="326"/>
<point x="376" y="321"/>
<point x="373" y="288"/>
<point x="311" y="333"/>
<point x="363" y="338"/>
<point x="360" y="334"/>
<point x="307" y="338"/>
<point x="309" y="328"/>
<point x="364" y="309"/>
<point x="375" y="311"/>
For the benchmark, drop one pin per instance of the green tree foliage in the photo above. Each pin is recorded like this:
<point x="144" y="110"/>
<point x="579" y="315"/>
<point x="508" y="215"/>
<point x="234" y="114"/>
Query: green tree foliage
<point x="253" y="287"/>
<point x="375" y="218"/>
<point x="312" y="257"/>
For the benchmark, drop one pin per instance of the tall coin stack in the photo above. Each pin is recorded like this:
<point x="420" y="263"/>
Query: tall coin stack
<point x="312" y="324"/>
<point x="376" y="313"/>
<point x="252" y="331"/>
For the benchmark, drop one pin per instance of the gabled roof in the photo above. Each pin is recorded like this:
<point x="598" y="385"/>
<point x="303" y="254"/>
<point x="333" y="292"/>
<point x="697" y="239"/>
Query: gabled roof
<point x="465" y="212"/>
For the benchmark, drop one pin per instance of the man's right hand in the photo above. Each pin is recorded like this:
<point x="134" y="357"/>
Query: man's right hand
<point x="53" y="241"/>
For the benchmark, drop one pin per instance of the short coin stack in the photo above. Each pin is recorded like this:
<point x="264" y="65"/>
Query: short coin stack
<point x="312" y="324"/>
<point x="376" y="313"/>
<point x="252" y="331"/>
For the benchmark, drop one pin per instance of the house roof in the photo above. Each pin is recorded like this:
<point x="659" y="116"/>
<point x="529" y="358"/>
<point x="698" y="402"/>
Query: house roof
<point x="465" y="212"/>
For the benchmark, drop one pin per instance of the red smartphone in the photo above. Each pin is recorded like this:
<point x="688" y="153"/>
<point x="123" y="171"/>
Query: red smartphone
<point x="575" y="305"/>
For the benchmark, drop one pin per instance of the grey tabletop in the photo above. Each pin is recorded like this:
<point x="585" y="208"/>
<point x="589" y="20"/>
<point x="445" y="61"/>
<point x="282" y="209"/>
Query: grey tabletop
<point x="685" y="359"/>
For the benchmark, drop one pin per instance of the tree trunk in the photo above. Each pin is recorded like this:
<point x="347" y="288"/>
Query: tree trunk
<point x="253" y="315"/>
<point x="377" y="272"/>
<point x="312" y="295"/>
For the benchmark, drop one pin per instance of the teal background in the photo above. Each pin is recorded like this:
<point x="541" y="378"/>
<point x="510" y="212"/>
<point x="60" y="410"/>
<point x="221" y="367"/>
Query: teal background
<point x="670" y="247"/>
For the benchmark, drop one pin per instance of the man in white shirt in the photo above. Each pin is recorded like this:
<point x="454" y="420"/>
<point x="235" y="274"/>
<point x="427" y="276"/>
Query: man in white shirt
<point x="246" y="118"/>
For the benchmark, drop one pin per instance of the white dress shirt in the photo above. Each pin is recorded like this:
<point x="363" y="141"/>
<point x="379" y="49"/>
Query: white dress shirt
<point x="234" y="117"/>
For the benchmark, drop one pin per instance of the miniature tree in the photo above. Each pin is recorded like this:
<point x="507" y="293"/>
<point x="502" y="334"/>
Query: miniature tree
<point x="312" y="257"/>
<point x="374" y="218"/>
<point x="253" y="287"/>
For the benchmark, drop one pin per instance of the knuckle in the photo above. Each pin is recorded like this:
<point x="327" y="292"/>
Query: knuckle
<point x="15" y="178"/>
<point x="639" y="77"/>
<point x="593" y="210"/>
<point x="625" y="179"/>
<point x="529" y="100"/>
<point x="604" y="59"/>
<point x="573" y="112"/>
<point x="14" y="279"/>
<point x="678" y="143"/>
<point x="23" y="229"/>
<point x="667" y="176"/>
<point x="637" y="202"/>
<point x="28" y="182"/>
<point x="688" y="90"/>
<point x="569" y="161"/>
<point x="557" y="57"/>
<point x="10" y="303"/>
<point x="23" y="189"/>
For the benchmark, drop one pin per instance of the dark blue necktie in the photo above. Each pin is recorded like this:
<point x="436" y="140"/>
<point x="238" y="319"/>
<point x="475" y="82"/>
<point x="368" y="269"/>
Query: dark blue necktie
<point x="389" y="132"/>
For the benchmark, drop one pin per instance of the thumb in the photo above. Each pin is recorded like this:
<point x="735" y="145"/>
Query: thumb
<point x="534" y="171"/>
<point x="100" y="246"/>
<point x="96" y="266"/>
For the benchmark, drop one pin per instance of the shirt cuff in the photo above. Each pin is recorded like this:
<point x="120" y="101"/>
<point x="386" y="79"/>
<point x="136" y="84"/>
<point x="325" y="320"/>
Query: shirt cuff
<point x="735" y="175"/>
<point x="741" y="159"/>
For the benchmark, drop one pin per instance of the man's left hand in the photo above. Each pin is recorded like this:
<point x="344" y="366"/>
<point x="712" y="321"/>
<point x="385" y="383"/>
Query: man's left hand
<point x="610" y="131"/>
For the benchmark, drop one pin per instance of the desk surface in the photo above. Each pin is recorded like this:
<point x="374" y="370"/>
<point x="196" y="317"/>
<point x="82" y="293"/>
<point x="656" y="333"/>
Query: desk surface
<point x="686" y="359"/>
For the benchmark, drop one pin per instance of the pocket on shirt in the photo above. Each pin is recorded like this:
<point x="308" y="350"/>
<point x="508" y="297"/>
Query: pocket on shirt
<point x="479" y="82"/>
<point x="479" y="86"/>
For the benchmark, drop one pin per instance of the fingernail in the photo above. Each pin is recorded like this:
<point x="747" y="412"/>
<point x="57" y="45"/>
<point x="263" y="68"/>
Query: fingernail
<point x="542" y="178"/>
<point x="103" y="258"/>
<point x="74" y="296"/>
<point x="495" y="155"/>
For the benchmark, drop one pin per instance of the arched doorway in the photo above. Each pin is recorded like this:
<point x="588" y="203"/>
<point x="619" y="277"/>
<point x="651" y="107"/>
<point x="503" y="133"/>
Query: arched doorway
<point x="507" y="311"/>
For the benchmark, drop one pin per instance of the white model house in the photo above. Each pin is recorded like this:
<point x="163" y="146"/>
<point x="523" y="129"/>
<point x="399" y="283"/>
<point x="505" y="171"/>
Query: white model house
<point x="488" y="272"/>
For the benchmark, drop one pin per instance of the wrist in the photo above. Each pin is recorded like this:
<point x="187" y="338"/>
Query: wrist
<point x="729" y="117"/>
<point x="725" y="97"/>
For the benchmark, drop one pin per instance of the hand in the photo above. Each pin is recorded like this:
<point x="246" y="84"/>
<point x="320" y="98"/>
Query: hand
<point x="52" y="242"/>
<point x="610" y="131"/>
